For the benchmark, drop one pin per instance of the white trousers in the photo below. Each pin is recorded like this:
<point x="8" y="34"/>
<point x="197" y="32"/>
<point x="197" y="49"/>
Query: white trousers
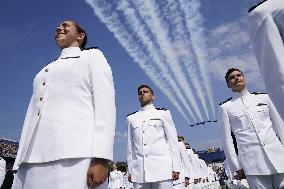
<point x="266" y="31"/>
<point x="275" y="181"/>
<point x="166" y="184"/>
<point x="61" y="174"/>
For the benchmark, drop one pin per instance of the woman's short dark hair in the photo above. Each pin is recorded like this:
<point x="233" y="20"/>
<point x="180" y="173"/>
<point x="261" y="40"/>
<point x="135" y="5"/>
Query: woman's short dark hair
<point x="80" y="29"/>
<point x="230" y="71"/>
<point x="145" y="86"/>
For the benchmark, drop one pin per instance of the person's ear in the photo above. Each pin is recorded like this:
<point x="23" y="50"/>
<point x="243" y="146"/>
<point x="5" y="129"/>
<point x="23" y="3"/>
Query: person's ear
<point x="228" y="85"/>
<point x="80" y="37"/>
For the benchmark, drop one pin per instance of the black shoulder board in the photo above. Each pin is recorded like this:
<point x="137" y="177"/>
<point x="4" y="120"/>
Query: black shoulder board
<point x="131" y="113"/>
<point x="225" y="101"/>
<point x="253" y="7"/>
<point x="161" y="109"/>
<point x="71" y="57"/>
<point x="257" y="93"/>
<point x="90" y="48"/>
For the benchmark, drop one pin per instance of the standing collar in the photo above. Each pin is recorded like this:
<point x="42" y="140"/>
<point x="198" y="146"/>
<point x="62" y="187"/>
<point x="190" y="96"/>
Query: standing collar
<point x="241" y="94"/>
<point x="147" y="107"/>
<point x="70" y="52"/>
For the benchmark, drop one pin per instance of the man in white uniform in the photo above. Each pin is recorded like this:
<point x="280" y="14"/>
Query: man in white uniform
<point x="259" y="134"/>
<point x="68" y="133"/>
<point x="266" y="30"/>
<point x="153" y="155"/>
<point x="184" y="176"/>
<point x="195" y="171"/>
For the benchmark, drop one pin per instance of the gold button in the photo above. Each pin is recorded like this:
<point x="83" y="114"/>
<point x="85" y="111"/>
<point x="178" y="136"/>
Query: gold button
<point x="46" y="70"/>
<point x="143" y="132"/>
<point x="43" y="84"/>
<point x="263" y="144"/>
<point x="38" y="113"/>
<point x="144" y="144"/>
<point x="40" y="98"/>
<point x="257" y="131"/>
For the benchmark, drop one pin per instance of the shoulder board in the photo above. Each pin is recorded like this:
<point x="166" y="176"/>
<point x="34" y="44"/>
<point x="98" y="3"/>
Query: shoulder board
<point x="253" y="7"/>
<point x="90" y="48"/>
<point x="225" y="101"/>
<point x="161" y="109"/>
<point x="257" y="93"/>
<point x="71" y="57"/>
<point x="131" y="113"/>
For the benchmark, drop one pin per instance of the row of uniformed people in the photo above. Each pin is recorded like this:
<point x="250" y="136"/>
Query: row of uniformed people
<point x="202" y="176"/>
<point x="119" y="179"/>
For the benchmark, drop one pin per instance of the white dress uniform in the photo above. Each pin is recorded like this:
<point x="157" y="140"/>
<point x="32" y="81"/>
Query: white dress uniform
<point x="126" y="183"/>
<point x="258" y="129"/>
<point x="195" y="173"/>
<point x="115" y="179"/>
<point x="2" y="170"/>
<point x="185" y="168"/>
<point x="266" y="30"/>
<point x="153" y="150"/>
<point x="70" y="119"/>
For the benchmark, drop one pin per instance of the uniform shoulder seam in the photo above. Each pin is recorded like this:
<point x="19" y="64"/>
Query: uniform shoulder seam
<point x="165" y="109"/>
<point x="227" y="100"/>
<point x="132" y="113"/>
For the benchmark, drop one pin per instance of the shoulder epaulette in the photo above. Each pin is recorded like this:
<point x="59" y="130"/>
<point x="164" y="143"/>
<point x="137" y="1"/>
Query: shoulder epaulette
<point x="225" y="101"/>
<point x="131" y="113"/>
<point x="253" y="7"/>
<point x="90" y="48"/>
<point x="257" y="93"/>
<point x="161" y="109"/>
<point x="69" y="57"/>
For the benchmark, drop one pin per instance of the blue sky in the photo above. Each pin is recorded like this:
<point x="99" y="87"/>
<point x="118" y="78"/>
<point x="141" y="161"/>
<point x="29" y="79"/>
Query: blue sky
<point x="181" y="48"/>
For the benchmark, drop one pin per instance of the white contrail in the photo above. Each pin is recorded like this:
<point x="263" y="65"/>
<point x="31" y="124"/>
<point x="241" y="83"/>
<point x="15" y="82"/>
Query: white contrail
<point x="105" y="13"/>
<point x="149" y="10"/>
<point x="179" y="33"/>
<point x="134" y="23"/>
<point x="194" y="23"/>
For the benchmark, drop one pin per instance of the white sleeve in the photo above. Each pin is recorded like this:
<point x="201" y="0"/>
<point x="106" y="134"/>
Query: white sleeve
<point x="277" y="122"/>
<point x="171" y="135"/>
<point x="2" y="170"/>
<point x="129" y="148"/>
<point x="227" y="140"/>
<point x="24" y="133"/>
<point x="185" y="160"/>
<point x="265" y="30"/>
<point x="104" y="105"/>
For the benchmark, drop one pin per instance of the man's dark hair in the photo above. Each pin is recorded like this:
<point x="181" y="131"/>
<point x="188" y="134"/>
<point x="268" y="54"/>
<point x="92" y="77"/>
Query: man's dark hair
<point x="145" y="86"/>
<point x="80" y="29"/>
<point x="230" y="71"/>
<point x="181" y="138"/>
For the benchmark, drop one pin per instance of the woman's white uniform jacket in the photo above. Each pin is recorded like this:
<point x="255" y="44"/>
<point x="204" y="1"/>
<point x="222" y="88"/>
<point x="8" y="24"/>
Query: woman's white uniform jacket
<point x="153" y="150"/>
<point x="72" y="110"/>
<point x="259" y="133"/>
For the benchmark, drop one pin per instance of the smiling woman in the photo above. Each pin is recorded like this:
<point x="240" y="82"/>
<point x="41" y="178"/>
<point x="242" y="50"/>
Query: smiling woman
<point x="70" y="34"/>
<point x="70" y="116"/>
